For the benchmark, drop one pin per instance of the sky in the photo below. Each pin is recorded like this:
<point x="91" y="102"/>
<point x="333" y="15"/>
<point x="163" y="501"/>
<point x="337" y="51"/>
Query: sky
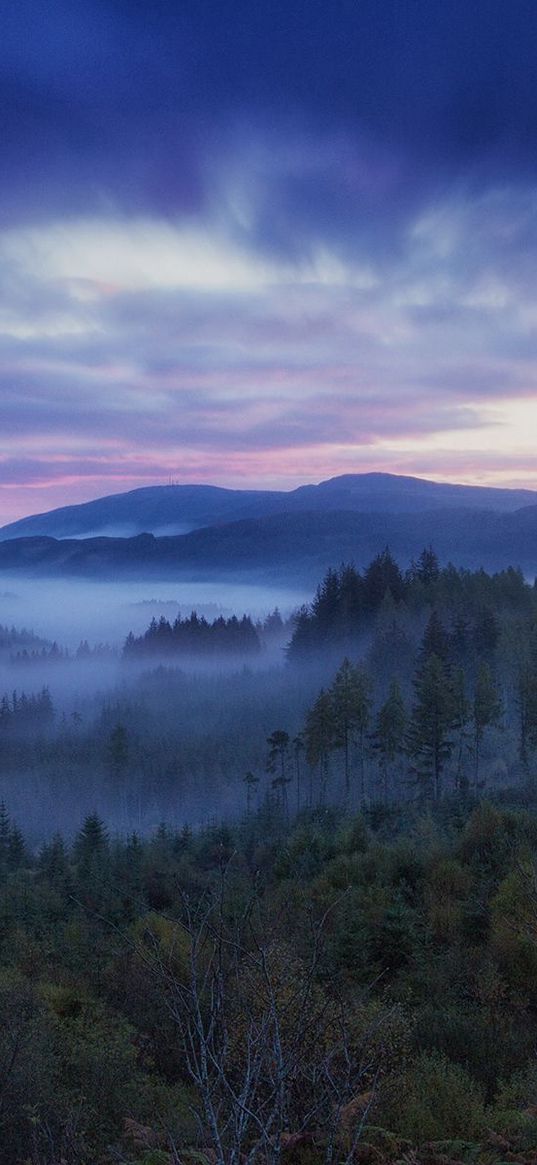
<point x="263" y="243"/>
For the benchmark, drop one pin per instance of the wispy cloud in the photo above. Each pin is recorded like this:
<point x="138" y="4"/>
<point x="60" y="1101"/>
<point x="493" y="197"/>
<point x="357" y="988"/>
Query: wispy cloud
<point x="303" y="243"/>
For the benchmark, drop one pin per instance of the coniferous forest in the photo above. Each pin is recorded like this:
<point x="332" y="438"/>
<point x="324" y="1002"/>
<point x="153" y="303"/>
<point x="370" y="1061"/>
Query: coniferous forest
<point x="268" y="888"/>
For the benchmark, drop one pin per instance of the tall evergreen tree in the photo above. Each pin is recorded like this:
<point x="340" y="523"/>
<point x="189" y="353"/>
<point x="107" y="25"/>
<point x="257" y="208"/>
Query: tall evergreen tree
<point x="435" y="641"/>
<point x="486" y="634"/>
<point x="91" y="843"/>
<point x="298" y="749"/>
<point x="389" y="734"/>
<point x="325" y="606"/>
<point x="461" y="718"/>
<point x="350" y="602"/>
<point x="429" y="738"/>
<point x="278" y="759"/>
<point x="319" y="739"/>
<point x="351" y="705"/>
<point x="427" y="568"/>
<point x="487" y="710"/>
<point x="526" y="699"/>
<point x="382" y="575"/>
<point x="54" y="862"/>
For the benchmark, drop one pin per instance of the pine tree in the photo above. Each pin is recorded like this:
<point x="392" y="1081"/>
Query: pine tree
<point x="487" y="710"/>
<point x="298" y="748"/>
<point x="427" y="569"/>
<point x="17" y="855"/>
<point x="350" y="602"/>
<point x="53" y="861"/>
<point x="435" y="641"/>
<point x="351" y="705"/>
<point x="526" y="699"/>
<point x="486" y="634"/>
<point x="429" y="738"/>
<point x="278" y="762"/>
<point x="325" y="606"/>
<point x="382" y="575"/>
<point x="461" y="717"/>
<point x="319" y="739"/>
<point x="91" y="843"/>
<point x="389" y="734"/>
<point x="303" y="640"/>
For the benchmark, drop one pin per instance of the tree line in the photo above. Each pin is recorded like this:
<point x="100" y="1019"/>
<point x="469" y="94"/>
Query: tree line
<point x="195" y="635"/>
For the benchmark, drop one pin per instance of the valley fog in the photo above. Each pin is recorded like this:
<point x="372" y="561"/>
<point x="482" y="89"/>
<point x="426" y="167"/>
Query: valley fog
<point x="186" y="725"/>
<point x="105" y="612"/>
<point x="118" y="699"/>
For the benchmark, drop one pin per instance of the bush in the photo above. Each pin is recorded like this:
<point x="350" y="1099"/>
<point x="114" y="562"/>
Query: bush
<point x="432" y="1100"/>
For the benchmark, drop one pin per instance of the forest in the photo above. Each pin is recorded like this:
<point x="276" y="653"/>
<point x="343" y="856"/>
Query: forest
<point x="268" y="887"/>
<point x="345" y="987"/>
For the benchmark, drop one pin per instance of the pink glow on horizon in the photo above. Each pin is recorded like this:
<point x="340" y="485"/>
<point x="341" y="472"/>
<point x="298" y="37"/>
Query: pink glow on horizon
<point x="249" y="471"/>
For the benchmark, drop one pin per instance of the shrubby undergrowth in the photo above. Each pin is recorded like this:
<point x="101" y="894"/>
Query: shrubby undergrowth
<point x="365" y="986"/>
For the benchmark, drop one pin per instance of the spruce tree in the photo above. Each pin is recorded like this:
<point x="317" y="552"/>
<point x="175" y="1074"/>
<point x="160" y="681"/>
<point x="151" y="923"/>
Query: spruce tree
<point x="278" y="763"/>
<point x="427" y="569"/>
<point x="487" y="709"/>
<point x="389" y="734"/>
<point x="351" y="705"/>
<point x="382" y="575"/>
<point x="435" y="640"/>
<point x="461" y="717"/>
<point x="91" y="844"/>
<point x="429" y="738"/>
<point x="319" y="739"/>
<point x="298" y="748"/>
<point x="17" y="855"/>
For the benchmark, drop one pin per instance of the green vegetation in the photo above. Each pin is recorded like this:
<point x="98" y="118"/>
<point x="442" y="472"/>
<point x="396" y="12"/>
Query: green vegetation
<point x="343" y="988"/>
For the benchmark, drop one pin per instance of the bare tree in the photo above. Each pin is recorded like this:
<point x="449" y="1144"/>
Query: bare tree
<point x="271" y="1055"/>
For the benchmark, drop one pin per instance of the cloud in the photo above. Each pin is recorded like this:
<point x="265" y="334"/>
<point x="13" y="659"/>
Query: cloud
<point x="132" y="350"/>
<point x="344" y="117"/>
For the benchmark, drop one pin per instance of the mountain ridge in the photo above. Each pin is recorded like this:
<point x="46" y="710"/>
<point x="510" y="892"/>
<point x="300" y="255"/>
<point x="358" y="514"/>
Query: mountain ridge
<point x="180" y="509"/>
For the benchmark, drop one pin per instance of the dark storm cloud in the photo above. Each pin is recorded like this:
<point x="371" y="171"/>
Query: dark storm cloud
<point x="346" y="115"/>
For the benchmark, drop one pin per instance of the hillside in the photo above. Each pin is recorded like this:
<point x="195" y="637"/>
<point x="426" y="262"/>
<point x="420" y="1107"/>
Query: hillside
<point x="290" y="547"/>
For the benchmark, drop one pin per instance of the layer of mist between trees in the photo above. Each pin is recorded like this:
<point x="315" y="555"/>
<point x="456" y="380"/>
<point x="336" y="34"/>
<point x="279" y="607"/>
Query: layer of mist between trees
<point x="72" y="611"/>
<point x="394" y="687"/>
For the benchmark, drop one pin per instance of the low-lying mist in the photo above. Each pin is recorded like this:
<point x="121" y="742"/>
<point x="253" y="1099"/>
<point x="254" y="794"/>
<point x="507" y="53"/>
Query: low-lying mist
<point x="190" y="723"/>
<point x="191" y="719"/>
<point x="104" y="612"/>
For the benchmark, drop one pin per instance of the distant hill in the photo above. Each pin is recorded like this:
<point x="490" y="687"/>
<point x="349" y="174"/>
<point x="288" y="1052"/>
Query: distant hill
<point x="288" y="547"/>
<point x="158" y="509"/>
<point x="180" y="509"/>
